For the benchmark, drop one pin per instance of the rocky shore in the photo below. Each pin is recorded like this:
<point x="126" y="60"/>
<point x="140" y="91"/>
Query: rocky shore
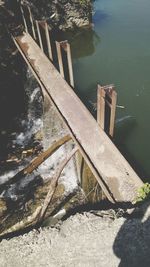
<point x="63" y="14"/>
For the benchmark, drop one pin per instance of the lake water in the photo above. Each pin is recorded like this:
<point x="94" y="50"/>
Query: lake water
<point x="117" y="51"/>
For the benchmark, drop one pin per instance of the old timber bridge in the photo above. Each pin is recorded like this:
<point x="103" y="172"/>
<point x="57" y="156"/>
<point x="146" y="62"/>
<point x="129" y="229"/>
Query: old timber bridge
<point x="114" y="174"/>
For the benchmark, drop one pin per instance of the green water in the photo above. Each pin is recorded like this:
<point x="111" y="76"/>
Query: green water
<point x="117" y="51"/>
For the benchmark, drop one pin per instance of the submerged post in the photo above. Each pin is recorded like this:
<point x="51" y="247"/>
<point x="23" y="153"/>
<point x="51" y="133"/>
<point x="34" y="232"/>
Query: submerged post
<point x="39" y="35"/>
<point x="66" y="47"/>
<point x="48" y="40"/>
<point x="60" y="62"/>
<point x="113" y="112"/>
<point x="106" y="98"/>
<point x="23" y="17"/>
<point x="101" y="107"/>
<point x="32" y="23"/>
<point x="69" y="59"/>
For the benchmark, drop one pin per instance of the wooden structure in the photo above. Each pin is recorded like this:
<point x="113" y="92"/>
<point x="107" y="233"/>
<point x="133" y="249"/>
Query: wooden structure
<point x="113" y="173"/>
<point x="106" y="98"/>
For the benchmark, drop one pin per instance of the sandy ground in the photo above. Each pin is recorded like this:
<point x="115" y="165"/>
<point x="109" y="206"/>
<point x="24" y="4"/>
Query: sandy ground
<point x="83" y="240"/>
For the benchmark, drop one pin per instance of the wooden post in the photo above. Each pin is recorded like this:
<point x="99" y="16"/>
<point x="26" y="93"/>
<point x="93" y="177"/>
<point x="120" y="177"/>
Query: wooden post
<point x="110" y="101"/>
<point x="32" y="23"/>
<point x="69" y="59"/>
<point x="24" y="20"/>
<point x="48" y="41"/>
<point x="39" y="35"/>
<point x="60" y="62"/>
<point x="101" y="106"/>
<point x="66" y="47"/>
<point x="113" y="112"/>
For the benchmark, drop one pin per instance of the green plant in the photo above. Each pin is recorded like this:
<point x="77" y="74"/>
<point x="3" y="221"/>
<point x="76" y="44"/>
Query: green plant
<point x="143" y="193"/>
<point x="84" y="2"/>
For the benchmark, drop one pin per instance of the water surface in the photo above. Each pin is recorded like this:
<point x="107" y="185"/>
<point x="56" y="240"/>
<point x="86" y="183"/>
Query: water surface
<point x="117" y="51"/>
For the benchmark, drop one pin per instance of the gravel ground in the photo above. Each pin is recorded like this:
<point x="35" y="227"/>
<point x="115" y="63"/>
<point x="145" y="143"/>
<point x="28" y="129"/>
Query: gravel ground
<point x="83" y="240"/>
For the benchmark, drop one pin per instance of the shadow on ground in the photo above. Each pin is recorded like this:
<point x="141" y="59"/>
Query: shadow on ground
<point x="132" y="243"/>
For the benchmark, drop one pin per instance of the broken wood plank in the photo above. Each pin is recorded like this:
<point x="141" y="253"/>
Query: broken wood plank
<point x="36" y="162"/>
<point x="54" y="183"/>
<point x="43" y="156"/>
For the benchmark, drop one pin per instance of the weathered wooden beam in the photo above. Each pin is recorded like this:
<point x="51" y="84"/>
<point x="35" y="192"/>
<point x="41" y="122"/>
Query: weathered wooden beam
<point x="69" y="58"/>
<point x="53" y="184"/>
<point x="113" y="112"/>
<point x="60" y="61"/>
<point x="39" y="35"/>
<point x="114" y="174"/>
<point x="48" y="39"/>
<point x="66" y="47"/>
<point x="46" y="154"/>
<point x="106" y="96"/>
<point x="35" y="163"/>
<point x="101" y="106"/>
<point x="32" y="23"/>
<point x="24" y="20"/>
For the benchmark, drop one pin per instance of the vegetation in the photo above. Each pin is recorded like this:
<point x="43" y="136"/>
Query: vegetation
<point x="84" y="2"/>
<point x="143" y="193"/>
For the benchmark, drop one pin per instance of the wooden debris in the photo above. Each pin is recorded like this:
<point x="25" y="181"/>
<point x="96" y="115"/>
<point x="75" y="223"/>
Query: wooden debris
<point x="13" y="159"/>
<point x="119" y="106"/>
<point x="43" y="156"/>
<point x="37" y="161"/>
<point x="54" y="182"/>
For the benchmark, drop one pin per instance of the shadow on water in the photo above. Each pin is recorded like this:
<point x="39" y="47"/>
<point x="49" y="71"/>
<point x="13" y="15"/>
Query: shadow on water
<point x="123" y="129"/>
<point x="132" y="243"/>
<point x="83" y="42"/>
<point x="99" y="16"/>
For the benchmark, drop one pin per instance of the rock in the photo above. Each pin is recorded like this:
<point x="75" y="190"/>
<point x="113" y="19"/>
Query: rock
<point x="63" y="14"/>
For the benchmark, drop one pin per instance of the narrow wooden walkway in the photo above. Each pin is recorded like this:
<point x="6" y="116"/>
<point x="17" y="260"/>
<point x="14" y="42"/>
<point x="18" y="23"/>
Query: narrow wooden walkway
<point x="112" y="171"/>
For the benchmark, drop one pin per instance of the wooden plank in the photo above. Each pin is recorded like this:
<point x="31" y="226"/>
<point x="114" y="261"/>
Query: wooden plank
<point x="39" y="35"/>
<point x="69" y="59"/>
<point x="101" y="107"/>
<point x="66" y="47"/>
<point x="48" y="41"/>
<point x="24" y="20"/>
<point x="113" y="113"/>
<point x="112" y="171"/>
<point x="60" y="62"/>
<point x="32" y="23"/>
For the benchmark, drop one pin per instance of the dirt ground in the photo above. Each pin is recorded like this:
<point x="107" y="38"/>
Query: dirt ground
<point x="83" y="240"/>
